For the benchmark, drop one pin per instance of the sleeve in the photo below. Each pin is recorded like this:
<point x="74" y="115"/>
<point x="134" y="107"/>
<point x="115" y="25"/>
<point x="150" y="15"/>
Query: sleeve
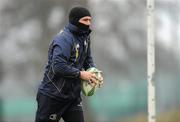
<point x="61" y="55"/>
<point x="89" y="60"/>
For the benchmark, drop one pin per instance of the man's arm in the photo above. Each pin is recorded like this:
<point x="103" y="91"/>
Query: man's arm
<point x="61" y="55"/>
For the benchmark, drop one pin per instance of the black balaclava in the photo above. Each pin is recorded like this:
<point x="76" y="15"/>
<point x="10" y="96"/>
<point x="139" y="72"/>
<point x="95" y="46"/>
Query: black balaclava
<point x="76" y="14"/>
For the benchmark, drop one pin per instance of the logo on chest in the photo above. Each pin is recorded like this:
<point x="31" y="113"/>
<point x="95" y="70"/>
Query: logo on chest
<point x="77" y="50"/>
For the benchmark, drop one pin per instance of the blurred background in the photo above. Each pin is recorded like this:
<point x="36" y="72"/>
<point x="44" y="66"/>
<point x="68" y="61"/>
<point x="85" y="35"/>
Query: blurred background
<point x="119" y="47"/>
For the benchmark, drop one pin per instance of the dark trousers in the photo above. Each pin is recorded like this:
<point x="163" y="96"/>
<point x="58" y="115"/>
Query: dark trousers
<point x="51" y="110"/>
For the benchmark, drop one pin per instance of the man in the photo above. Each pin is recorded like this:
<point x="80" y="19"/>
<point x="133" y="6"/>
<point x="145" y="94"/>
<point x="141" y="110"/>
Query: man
<point x="59" y="94"/>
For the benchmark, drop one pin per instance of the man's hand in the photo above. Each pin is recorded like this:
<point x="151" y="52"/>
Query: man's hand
<point x="88" y="76"/>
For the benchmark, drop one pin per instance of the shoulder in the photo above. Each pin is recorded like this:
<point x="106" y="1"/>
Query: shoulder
<point x="63" y="37"/>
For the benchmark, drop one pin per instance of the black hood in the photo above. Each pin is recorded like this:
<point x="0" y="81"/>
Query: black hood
<point x="76" y="14"/>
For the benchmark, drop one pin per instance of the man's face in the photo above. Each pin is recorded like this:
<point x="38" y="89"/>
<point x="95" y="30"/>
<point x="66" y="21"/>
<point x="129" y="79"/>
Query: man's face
<point x="86" y="20"/>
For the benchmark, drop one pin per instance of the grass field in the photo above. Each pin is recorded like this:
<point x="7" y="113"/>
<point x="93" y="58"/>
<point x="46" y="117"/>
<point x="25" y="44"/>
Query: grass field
<point x="173" y="116"/>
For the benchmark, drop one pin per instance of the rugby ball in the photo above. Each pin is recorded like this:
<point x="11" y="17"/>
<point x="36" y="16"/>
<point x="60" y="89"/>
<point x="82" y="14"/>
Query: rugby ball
<point x="89" y="89"/>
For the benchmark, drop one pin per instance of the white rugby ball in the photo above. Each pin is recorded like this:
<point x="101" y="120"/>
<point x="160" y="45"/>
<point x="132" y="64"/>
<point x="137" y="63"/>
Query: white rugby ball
<point x="89" y="89"/>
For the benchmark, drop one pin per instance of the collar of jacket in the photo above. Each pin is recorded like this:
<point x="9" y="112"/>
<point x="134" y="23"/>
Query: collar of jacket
<point x="75" y="30"/>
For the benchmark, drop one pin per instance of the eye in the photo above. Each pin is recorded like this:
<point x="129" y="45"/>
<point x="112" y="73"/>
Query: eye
<point x="86" y="19"/>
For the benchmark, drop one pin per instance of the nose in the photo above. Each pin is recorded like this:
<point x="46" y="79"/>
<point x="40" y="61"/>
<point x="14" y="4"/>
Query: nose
<point x="88" y="22"/>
